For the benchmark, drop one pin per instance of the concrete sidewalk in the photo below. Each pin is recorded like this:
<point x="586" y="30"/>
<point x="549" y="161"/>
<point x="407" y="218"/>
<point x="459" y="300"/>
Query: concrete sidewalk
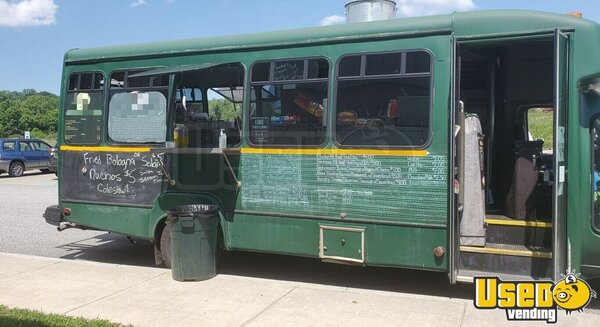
<point x="150" y="297"/>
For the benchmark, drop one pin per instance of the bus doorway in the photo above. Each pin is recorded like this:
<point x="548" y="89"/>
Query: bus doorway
<point x="507" y="200"/>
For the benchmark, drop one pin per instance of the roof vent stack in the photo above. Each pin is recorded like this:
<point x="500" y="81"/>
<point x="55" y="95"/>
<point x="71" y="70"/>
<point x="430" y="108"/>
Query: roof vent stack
<point x="369" y="10"/>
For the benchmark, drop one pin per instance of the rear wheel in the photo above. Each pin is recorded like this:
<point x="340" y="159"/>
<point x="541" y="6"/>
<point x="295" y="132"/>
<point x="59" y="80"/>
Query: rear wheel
<point x="16" y="169"/>
<point x="45" y="171"/>
<point x="165" y="245"/>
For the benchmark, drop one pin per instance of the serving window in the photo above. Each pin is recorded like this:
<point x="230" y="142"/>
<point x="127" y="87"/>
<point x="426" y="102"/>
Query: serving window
<point x="84" y="108"/>
<point x="137" y="109"/>
<point x="208" y="102"/>
<point x="384" y="100"/>
<point x="288" y="102"/>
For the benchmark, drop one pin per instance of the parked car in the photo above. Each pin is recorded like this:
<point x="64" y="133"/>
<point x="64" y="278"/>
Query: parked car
<point x="19" y="155"/>
<point x="53" y="159"/>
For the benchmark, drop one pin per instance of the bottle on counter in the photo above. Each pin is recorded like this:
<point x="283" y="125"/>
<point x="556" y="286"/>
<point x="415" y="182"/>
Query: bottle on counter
<point x="181" y="136"/>
<point x="222" y="139"/>
<point x="392" y="108"/>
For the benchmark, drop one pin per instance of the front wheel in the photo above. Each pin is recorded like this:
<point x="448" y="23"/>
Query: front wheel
<point x="16" y="169"/>
<point x="165" y="245"/>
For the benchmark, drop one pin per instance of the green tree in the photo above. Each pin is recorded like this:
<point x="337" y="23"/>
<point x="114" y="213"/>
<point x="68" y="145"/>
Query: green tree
<point x="9" y="120"/>
<point x="28" y="110"/>
<point x="223" y="109"/>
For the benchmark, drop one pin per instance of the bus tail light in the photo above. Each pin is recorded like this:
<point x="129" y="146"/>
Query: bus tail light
<point x="439" y="251"/>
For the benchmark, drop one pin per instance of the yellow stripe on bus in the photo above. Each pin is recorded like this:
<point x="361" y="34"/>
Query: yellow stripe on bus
<point x="103" y="149"/>
<point x="372" y="152"/>
<point x="415" y="153"/>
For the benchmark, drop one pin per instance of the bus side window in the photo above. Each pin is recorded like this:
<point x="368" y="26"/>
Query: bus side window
<point x="209" y="101"/>
<point x="384" y="100"/>
<point x="84" y="108"/>
<point x="137" y="117"/>
<point x="137" y="109"/>
<point x="289" y="102"/>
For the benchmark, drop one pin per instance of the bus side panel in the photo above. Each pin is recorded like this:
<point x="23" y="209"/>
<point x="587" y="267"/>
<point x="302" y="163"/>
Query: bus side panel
<point x="384" y="245"/>
<point x="129" y="221"/>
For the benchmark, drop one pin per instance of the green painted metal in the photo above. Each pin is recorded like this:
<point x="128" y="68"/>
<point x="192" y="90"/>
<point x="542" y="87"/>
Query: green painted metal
<point x="112" y="218"/>
<point x="462" y="24"/>
<point x="249" y="225"/>
<point x="391" y="246"/>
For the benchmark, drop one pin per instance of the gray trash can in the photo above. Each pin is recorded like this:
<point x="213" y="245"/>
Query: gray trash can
<point x="193" y="242"/>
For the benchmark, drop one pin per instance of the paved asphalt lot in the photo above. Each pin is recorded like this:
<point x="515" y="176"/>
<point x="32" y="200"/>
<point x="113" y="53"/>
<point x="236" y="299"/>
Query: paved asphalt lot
<point x="23" y="201"/>
<point x="24" y="231"/>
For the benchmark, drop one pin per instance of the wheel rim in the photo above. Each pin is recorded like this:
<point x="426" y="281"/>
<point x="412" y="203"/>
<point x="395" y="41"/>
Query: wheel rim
<point x="17" y="169"/>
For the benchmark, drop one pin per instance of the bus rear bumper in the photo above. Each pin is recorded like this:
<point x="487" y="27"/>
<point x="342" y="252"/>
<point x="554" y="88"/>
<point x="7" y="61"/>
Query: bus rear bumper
<point x="54" y="215"/>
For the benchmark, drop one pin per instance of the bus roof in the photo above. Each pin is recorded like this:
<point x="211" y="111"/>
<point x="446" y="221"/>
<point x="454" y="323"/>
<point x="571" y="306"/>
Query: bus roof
<point x="467" y="24"/>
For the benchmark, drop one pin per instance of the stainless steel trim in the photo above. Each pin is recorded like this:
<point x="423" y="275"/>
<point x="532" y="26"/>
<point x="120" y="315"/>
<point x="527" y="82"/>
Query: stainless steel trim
<point x="345" y="229"/>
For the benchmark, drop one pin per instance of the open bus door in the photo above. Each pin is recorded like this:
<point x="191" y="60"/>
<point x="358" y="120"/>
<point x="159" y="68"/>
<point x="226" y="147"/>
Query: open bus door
<point x="455" y="114"/>
<point x="559" y="204"/>
<point x="539" y="246"/>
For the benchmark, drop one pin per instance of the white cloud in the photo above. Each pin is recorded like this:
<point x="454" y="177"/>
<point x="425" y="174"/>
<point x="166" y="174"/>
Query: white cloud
<point x="137" y="3"/>
<point x="332" y="20"/>
<point x="411" y="8"/>
<point x="27" y="13"/>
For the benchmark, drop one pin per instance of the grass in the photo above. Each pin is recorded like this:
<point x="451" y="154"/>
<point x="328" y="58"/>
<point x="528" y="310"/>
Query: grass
<point x="540" y="126"/>
<point x="29" y="318"/>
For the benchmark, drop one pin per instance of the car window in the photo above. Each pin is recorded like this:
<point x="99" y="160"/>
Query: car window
<point x="40" y="146"/>
<point x="9" y="146"/>
<point x="44" y="146"/>
<point x="24" y="146"/>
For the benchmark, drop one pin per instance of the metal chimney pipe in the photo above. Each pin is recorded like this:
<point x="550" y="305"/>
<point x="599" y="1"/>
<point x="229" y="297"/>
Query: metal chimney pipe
<point x="369" y="10"/>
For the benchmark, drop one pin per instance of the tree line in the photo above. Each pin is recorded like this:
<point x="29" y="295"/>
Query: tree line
<point x="28" y="110"/>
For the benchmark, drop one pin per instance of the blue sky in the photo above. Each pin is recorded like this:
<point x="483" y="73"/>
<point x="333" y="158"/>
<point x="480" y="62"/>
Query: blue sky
<point x="34" y="34"/>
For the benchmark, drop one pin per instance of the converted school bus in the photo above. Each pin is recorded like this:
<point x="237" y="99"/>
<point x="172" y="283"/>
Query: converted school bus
<point x="404" y="143"/>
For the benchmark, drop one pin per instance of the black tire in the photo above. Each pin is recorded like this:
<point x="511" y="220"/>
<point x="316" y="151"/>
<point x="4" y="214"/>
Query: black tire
<point x="165" y="245"/>
<point x="45" y="171"/>
<point x="16" y="169"/>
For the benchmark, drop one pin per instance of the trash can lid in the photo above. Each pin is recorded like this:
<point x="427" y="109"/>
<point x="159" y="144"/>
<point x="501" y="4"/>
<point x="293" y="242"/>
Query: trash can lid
<point x="192" y="208"/>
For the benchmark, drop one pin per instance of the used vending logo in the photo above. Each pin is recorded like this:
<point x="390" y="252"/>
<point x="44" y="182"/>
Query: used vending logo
<point x="533" y="300"/>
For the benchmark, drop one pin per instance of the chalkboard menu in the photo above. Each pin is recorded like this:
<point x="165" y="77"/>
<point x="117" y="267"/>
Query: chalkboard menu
<point x="83" y="117"/>
<point x="411" y="189"/>
<point x="83" y="129"/>
<point x="116" y="177"/>
<point x="288" y="70"/>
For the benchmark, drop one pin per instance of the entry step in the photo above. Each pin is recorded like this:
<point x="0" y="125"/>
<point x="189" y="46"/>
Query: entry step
<point x="466" y="276"/>
<point x="509" y="250"/>
<point x="499" y="220"/>
<point x="504" y="230"/>
<point x="506" y="259"/>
